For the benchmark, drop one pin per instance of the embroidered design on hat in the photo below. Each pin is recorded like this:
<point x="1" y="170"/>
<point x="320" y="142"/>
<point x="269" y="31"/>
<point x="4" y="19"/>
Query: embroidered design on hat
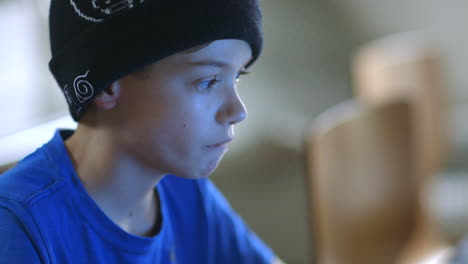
<point x="73" y="105"/>
<point x="97" y="10"/>
<point x="84" y="90"/>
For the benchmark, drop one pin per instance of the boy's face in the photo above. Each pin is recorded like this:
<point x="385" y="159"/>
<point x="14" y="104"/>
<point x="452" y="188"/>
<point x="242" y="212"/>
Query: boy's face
<point x="178" y="115"/>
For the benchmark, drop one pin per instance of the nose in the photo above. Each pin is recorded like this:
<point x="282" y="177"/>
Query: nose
<point x="233" y="110"/>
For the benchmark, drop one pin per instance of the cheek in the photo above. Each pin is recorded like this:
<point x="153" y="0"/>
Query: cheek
<point x="187" y="152"/>
<point x="177" y="133"/>
<point x="186" y="131"/>
<point x="169" y="134"/>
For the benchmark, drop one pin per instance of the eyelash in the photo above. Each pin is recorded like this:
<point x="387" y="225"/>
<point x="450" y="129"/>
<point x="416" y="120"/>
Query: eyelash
<point x="210" y="83"/>
<point x="241" y="73"/>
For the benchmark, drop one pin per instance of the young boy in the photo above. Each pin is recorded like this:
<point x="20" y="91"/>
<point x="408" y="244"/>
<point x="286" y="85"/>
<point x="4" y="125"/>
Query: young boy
<point x="152" y="84"/>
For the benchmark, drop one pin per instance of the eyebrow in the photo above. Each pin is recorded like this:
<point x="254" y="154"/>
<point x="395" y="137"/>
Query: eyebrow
<point x="213" y="63"/>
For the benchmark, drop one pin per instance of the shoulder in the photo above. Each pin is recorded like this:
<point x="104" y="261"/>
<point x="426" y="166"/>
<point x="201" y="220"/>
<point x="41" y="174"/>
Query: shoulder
<point x="32" y="176"/>
<point x="21" y="242"/>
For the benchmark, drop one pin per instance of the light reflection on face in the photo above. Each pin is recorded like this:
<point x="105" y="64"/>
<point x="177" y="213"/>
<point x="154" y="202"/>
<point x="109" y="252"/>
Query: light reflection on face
<point x="176" y="118"/>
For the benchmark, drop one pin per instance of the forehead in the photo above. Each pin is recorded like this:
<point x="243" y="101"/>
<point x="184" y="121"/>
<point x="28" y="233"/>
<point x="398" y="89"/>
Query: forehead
<point x="226" y="54"/>
<point x="221" y="53"/>
<point x="230" y="49"/>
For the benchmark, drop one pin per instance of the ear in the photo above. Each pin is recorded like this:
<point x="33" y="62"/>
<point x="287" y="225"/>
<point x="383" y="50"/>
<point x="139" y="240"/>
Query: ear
<point x="109" y="97"/>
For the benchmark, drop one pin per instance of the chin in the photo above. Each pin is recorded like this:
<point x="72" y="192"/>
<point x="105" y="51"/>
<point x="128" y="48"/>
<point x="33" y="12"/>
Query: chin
<point x="192" y="176"/>
<point x="199" y="173"/>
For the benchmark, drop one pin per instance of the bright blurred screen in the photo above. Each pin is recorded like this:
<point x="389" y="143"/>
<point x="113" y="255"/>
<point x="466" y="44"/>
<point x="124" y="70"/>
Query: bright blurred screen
<point x="29" y="93"/>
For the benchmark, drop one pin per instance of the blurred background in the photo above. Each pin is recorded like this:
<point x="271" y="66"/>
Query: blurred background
<point x="306" y="67"/>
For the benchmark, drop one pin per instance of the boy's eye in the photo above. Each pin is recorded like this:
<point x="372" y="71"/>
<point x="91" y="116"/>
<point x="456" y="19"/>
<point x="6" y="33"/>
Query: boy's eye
<point x="206" y="85"/>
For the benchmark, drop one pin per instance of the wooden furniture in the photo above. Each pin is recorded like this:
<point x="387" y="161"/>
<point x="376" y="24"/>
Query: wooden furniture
<point x="409" y="67"/>
<point x="362" y="188"/>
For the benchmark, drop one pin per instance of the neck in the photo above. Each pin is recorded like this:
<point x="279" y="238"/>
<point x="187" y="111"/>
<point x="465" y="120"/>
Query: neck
<point x="120" y="185"/>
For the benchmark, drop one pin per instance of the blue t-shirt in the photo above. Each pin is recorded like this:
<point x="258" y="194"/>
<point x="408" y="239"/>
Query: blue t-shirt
<point x="46" y="216"/>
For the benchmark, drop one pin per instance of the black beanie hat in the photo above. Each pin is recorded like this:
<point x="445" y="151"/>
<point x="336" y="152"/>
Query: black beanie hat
<point x="96" y="42"/>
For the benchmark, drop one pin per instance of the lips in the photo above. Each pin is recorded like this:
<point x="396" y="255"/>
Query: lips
<point x="221" y="144"/>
